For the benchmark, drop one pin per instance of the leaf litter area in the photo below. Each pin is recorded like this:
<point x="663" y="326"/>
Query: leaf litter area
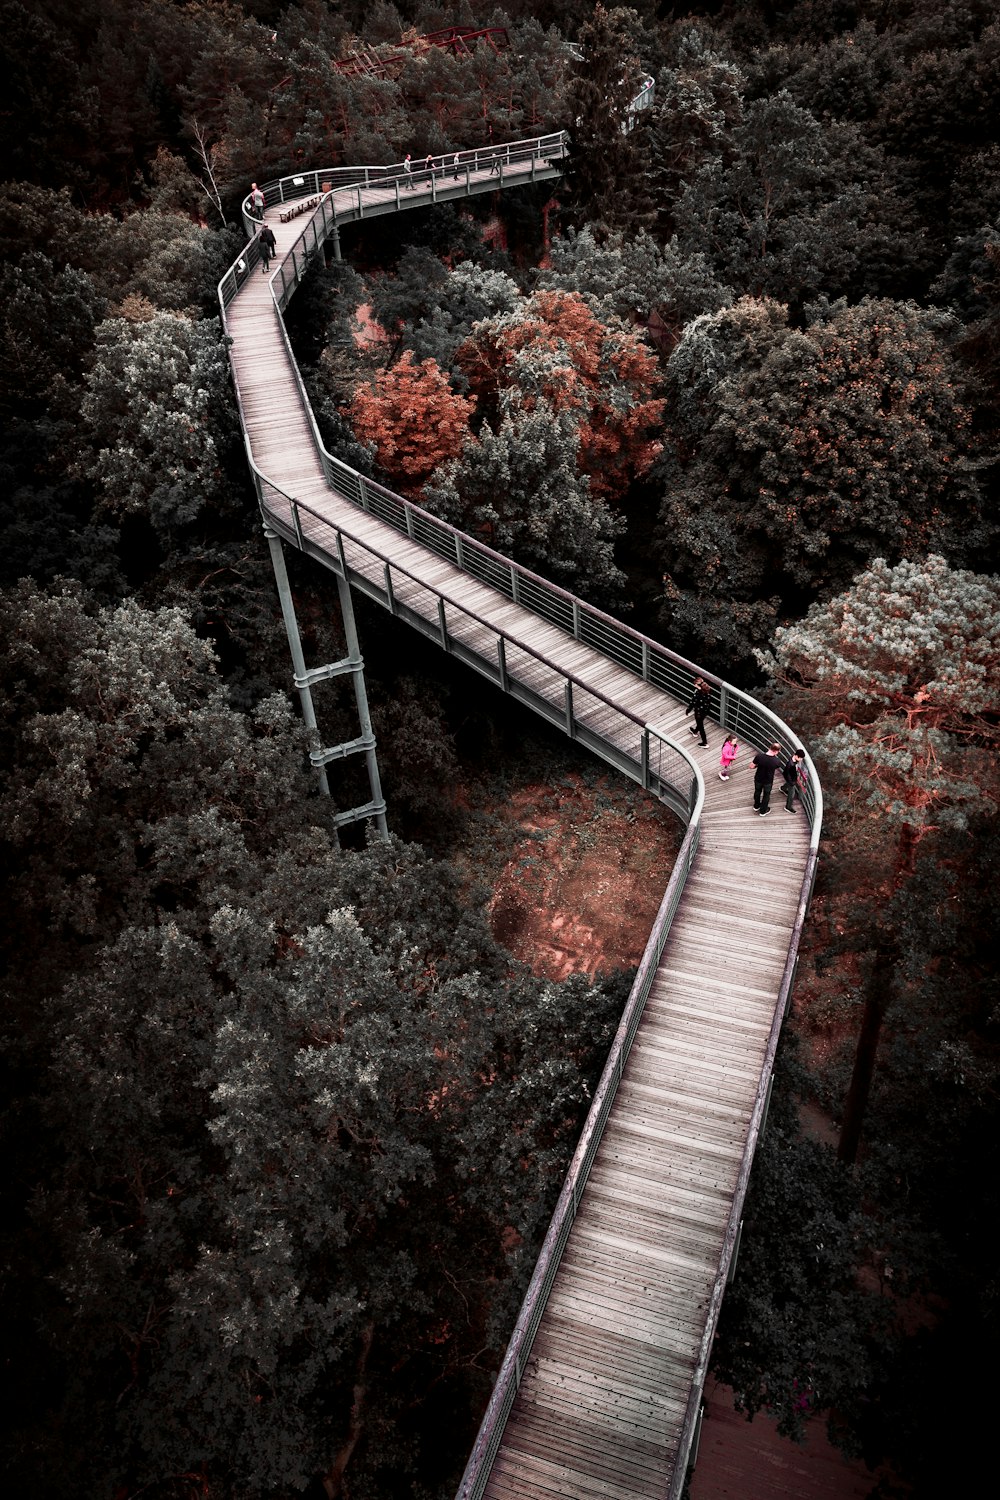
<point x="578" y="873"/>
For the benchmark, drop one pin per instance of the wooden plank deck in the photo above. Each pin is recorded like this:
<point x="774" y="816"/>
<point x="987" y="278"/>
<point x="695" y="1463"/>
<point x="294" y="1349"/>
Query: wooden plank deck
<point x="600" y="1407"/>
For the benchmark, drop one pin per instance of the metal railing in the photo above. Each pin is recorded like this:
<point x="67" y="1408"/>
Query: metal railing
<point x="396" y="182"/>
<point x="636" y="748"/>
<point x="515" y="1360"/>
<point x="583" y="712"/>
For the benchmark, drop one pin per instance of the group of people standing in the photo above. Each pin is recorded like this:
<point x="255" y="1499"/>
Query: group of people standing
<point x="766" y="763"/>
<point x="429" y="166"/>
<point x="445" y="165"/>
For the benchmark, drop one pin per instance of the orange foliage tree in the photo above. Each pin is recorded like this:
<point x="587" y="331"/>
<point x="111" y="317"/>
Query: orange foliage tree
<point x="414" y="419"/>
<point x="553" y="348"/>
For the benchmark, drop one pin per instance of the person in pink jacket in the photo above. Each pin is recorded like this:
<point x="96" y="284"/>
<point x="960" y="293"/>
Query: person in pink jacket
<point x="730" y="750"/>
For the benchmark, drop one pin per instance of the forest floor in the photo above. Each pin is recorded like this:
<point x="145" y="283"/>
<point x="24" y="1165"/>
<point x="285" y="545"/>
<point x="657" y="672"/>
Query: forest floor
<point x="582" y="866"/>
<point x="577" y="867"/>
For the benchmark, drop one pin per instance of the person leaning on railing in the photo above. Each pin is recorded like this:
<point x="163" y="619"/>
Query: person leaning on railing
<point x="793" y="778"/>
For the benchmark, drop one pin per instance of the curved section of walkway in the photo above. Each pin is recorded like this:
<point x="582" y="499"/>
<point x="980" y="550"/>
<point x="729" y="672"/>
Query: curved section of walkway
<point x="600" y="1390"/>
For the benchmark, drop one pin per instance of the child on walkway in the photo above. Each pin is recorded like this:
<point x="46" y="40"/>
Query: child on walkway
<point x="730" y="750"/>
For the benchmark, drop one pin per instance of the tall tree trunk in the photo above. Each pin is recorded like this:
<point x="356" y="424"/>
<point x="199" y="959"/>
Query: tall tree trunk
<point x="877" y="997"/>
<point x="333" y="1479"/>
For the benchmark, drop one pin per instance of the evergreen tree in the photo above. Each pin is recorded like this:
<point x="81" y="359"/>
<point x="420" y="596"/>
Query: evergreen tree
<point x="606" y="181"/>
<point x="521" y="489"/>
<point x="158" y="415"/>
<point x="903" y="667"/>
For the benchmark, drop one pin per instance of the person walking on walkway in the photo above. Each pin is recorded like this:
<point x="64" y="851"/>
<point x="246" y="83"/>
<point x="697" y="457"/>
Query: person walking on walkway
<point x="267" y="246"/>
<point x="701" y="702"/>
<point x="256" y="201"/>
<point x="457" y="165"/>
<point x="766" y="765"/>
<point x="730" y="750"/>
<point x="793" y="778"/>
<point x="408" y="169"/>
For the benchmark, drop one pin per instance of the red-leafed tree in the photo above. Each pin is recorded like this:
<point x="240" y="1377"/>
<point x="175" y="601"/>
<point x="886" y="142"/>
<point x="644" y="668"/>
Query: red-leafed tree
<point x="555" y="349"/>
<point x="414" y="418"/>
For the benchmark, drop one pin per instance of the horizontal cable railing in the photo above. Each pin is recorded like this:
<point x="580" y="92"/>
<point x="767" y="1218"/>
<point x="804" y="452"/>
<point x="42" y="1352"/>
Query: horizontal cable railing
<point x="733" y="709"/>
<point x="398" y="179"/>
<point x="638" y="748"/>
<point x="491" y="1430"/>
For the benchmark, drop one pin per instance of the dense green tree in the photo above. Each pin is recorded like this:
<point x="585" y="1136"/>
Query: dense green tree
<point x="521" y="489"/>
<point x="605" y="183"/>
<point x="553" y="349"/>
<point x="844" y="77"/>
<point x="49" y="112"/>
<point x="798" y="209"/>
<point x="793" y="456"/>
<point x="633" y="278"/>
<point x="266" y="1056"/>
<point x="471" y="294"/>
<point x="158" y="416"/>
<point x="935" y="114"/>
<point x="697" y="105"/>
<point x="903" y="669"/>
<point x="47" y="325"/>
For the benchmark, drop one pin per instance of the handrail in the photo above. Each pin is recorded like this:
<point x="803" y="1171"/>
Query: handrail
<point x="322" y="180"/>
<point x="515" y="1359"/>
<point x="758" y="1116"/>
<point x="731" y="707"/>
<point x="686" y="798"/>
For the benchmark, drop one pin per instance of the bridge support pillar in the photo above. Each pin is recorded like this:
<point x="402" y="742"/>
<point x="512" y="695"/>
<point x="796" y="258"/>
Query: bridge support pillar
<point x="356" y="661"/>
<point x="353" y="664"/>
<point x="334" y="237"/>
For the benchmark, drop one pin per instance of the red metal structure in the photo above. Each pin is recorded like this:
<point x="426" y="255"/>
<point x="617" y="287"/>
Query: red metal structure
<point x="457" y="40"/>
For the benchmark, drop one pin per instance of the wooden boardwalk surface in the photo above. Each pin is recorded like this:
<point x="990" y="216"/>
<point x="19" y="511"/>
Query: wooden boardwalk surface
<point x="601" y="1405"/>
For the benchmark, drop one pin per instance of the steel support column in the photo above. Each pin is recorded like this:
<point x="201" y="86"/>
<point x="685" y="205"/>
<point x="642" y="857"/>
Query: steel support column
<point x="295" y="647"/>
<point x="361" y="698"/>
<point x="353" y="664"/>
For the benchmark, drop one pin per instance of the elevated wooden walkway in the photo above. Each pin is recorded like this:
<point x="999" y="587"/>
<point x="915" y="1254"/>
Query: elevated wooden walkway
<point x="602" y="1401"/>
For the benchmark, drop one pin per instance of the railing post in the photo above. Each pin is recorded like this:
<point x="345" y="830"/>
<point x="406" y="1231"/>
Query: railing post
<point x="408" y="513"/>
<point x="502" y="660"/>
<point x="515" y="586"/>
<point x="644" y="758"/>
<point x="570" y="723"/>
<point x="363" y="492"/>
<point x="390" y="597"/>
<point x="576" y="619"/>
<point x="459" y="551"/>
<point x="735" y="1255"/>
<point x="443" y="622"/>
<point x="767" y="1106"/>
<point x="645" y="661"/>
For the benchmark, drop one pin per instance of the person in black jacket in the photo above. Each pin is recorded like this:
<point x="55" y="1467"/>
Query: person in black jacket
<point x="793" y="778"/>
<point x="267" y="246"/>
<point x="701" y="702"/>
<point x="765" y="767"/>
